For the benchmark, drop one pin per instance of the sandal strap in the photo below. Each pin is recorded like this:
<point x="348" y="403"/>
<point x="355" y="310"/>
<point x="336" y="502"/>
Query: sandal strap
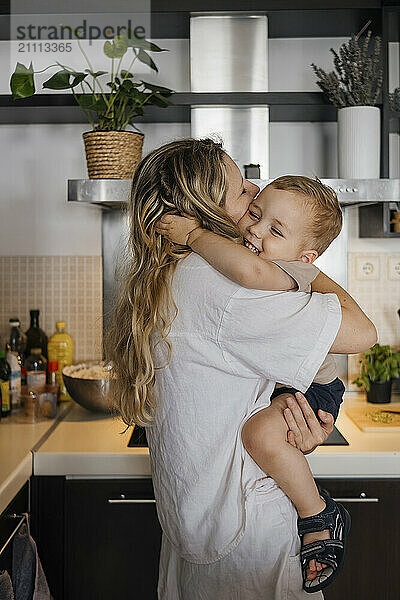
<point x="321" y="550"/>
<point x="330" y="518"/>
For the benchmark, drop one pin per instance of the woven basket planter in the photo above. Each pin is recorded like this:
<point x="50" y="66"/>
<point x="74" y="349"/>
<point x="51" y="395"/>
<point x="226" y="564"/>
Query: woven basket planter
<point x="112" y="154"/>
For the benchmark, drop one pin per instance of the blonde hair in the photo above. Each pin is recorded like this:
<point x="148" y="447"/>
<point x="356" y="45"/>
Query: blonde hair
<point x="326" y="215"/>
<point x="185" y="176"/>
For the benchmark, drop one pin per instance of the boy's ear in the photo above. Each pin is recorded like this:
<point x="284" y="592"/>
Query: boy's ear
<point x="308" y="256"/>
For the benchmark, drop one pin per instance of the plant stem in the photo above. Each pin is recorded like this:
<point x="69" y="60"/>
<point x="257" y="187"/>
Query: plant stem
<point x="45" y="69"/>
<point x="87" y="115"/>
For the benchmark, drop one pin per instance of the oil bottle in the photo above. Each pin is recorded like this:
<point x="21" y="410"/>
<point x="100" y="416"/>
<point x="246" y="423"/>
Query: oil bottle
<point x="60" y="348"/>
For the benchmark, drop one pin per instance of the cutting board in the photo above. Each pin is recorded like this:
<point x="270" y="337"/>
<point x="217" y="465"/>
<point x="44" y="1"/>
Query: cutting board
<point x="365" y="417"/>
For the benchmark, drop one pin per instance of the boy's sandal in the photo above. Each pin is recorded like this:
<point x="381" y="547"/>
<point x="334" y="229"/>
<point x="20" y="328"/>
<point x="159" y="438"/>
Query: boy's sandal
<point x="331" y="552"/>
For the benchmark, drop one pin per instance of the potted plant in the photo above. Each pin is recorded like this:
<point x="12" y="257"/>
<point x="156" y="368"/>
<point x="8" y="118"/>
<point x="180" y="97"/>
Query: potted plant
<point x="111" y="151"/>
<point x="379" y="366"/>
<point x="354" y="88"/>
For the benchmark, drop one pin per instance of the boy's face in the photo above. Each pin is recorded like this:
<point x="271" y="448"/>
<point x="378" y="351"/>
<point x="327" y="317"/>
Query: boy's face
<point x="275" y="224"/>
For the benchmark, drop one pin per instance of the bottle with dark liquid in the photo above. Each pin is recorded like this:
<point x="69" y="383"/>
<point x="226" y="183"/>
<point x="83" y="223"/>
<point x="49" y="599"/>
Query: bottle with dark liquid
<point x="5" y="373"/>
<point x="35" y="337"/>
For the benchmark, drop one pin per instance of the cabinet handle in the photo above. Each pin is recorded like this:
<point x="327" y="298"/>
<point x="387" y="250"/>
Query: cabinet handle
<point x="362" y="498"/>
<point x="130" y="501"/>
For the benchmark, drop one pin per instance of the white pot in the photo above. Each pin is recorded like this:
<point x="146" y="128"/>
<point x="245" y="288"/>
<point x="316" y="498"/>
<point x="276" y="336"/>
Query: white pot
<point x="359" y="135"/>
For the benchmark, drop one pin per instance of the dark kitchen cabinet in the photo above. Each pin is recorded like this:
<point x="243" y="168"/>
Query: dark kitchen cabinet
<point x="371" y="571"/>
<point x="101" y="540"/>
<point x="95" y="549"/>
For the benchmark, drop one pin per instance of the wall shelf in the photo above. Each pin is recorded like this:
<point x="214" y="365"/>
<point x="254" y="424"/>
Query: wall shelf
<point x="114" y="193"/>
<point x="62" y="108"/>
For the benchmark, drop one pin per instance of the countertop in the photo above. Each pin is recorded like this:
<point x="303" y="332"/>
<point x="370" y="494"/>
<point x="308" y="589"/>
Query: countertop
<point x="79" y="443"/>
<point x="88" y="444"/>
<point x="17" y="441"/>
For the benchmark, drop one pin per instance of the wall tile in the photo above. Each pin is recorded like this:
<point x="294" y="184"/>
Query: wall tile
<point x="65" y="288"/>
<point x="380" y="299"/>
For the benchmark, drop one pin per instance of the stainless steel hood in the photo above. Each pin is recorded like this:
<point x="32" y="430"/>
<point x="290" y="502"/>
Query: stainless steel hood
<point x="114" y="193"/>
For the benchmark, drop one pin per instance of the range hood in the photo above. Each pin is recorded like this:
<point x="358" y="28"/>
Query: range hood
<point x="114" y="193"/>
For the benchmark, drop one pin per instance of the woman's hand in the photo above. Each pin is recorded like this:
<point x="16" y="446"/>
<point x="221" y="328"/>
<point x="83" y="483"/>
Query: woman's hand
<point x="305" y="431"/>
<point x="177" y="229"/>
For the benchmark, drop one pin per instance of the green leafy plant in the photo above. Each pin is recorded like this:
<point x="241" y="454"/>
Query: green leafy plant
<point x="357" y="80"/>
<point x="115" y="107"/>
<point x="394" y="100"/>
<point x="378" y="364"/>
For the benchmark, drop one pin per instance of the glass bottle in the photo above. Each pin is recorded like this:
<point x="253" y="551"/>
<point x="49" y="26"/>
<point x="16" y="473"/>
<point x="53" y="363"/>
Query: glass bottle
<point x="5" y="373"/>
<point x="36" y="369"/>
<point x="14" y="359"/>
<point x="17" y="341"/>
<point x="36" y="337"/>
<point x="60" y="348"/>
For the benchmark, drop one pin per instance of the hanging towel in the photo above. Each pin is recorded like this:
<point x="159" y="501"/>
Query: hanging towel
<point x="28" y="578"/>
<point x="6" y="589"/>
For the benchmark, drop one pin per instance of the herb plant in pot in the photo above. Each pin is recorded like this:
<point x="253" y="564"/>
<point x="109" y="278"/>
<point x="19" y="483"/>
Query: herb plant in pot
<point x="110" y="100"/>
<point x="379" y="366"/>
<point x="354" y="88"/>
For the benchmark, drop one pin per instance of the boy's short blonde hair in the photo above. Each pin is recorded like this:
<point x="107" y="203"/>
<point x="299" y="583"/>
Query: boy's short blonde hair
<point x="327" y="219"/>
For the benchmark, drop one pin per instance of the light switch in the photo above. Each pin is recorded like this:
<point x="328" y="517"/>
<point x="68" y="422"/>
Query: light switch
<point x="393" y="267"/>
<point x="367" y="268"/>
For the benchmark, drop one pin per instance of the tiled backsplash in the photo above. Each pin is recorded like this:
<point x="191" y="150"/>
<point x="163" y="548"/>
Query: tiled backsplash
<point x="63" y="288"/>
<point x="379" y="297"/>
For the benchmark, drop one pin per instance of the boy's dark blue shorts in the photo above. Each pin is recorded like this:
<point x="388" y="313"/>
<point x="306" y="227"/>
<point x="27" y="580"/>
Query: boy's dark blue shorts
<point x="327" y="396"/>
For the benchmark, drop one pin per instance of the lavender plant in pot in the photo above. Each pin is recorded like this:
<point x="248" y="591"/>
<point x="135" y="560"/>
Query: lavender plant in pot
<point x="110" y="100"/>
<point x="354" y="87"/>
<point x="379" y="366"/>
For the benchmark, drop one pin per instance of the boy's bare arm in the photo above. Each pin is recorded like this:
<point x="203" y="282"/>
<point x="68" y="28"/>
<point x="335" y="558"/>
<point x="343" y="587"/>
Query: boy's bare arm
<point x="357" y="333"/>
<point x="238" y="263"/>
<point x="232" y="260"/>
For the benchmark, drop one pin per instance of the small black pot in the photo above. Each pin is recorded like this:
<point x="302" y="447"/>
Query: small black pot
<point x="380" y="392"/>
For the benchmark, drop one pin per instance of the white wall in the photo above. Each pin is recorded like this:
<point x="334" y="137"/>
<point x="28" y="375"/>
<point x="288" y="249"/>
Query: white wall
<point x="36" y="162"/>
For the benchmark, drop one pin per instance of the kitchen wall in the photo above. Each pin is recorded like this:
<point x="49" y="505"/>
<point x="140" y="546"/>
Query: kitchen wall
<point x="50" y="248"/>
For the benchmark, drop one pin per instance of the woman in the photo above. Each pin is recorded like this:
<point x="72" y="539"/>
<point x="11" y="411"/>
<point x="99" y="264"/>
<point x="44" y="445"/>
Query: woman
<point x="192" y="353"/>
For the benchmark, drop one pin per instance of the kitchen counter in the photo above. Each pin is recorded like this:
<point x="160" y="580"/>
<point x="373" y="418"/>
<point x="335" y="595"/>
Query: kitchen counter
<point x="88" y="444"/>
<point x="17" y="441"/>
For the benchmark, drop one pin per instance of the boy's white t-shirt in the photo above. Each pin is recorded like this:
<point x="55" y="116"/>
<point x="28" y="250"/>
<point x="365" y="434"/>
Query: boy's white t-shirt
<point x="229" y="347"/>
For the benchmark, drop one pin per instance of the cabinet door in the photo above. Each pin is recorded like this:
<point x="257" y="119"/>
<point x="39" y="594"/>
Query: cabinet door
<point x="373" y="556"/>
<point x="113" y="540"/>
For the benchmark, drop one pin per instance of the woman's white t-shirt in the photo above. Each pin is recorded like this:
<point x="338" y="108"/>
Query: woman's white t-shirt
<point x="229" y="347"/>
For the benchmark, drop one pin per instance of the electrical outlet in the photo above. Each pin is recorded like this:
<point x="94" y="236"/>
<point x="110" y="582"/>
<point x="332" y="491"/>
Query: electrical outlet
<point x="367" y="268"/>
<point x="393" y="267"/>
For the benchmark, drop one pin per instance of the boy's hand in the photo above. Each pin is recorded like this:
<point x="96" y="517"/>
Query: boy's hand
<point x="305" y="431"/>
<point x="177" y="229"/>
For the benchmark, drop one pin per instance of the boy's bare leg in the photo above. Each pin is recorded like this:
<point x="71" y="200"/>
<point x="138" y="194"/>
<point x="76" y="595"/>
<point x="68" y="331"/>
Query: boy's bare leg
<point x="264" y="436"/>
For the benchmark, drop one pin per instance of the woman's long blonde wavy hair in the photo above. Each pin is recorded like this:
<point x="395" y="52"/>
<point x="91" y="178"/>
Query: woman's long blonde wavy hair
<point x="184" y="176"/>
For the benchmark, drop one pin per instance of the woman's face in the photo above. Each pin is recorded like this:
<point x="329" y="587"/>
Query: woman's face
<point x="239" y="191"/>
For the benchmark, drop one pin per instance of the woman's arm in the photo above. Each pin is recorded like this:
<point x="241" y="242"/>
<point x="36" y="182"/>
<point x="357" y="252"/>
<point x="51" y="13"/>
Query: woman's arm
<point x="234" y="261"/>
<point x="357" y="333"/>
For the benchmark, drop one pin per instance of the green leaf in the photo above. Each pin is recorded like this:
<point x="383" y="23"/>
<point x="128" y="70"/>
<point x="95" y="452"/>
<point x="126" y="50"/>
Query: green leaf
<point x="22" y="83"/>
<point x="146" y="60"/>
<point x="135" y="42"/>
<point x="78" y="78"/>
<point x="95" y="73"/>
<point x="88" y="102"/>
<point x="117" y="48"/>
<point x="157" y="88"/>
<point x="59" y="81"/>
<point x="125" y="74"/>
<point x="159" y="100"/>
